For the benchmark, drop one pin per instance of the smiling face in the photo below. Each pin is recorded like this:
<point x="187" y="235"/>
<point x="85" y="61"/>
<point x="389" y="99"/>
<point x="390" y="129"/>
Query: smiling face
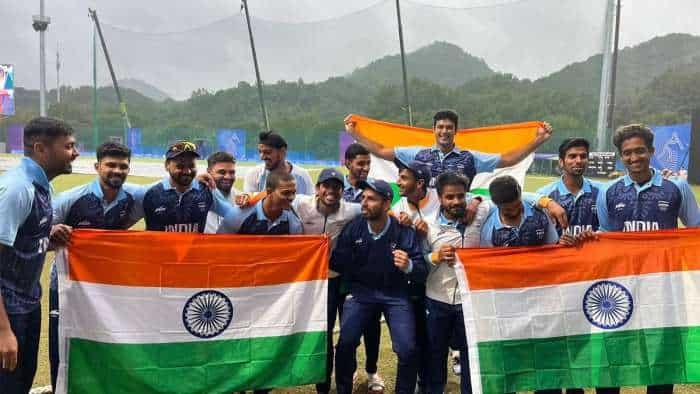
<point x="329" y="192"/>
<point x="575" y="161"/>
<point x="453" y="201"/>
<point x="182" y="169"/>
<point x="60" y="154"/>
<point x="272" y="157"/>
<point x="635" y="155"/>
<point x="113" y="171"/>
<point x="224" y="174"/>
<point x="445" y="131"/>
<point x="359" y="167"/>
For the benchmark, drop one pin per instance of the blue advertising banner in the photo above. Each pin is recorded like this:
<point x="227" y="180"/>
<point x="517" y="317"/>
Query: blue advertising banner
<point x="231" y="141"/>
<point x="671" y="145"/>
<point x="133" y="138"/>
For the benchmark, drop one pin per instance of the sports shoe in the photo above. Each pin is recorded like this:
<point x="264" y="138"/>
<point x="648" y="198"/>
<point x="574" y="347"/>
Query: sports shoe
<point x="456" y="367"/>
<point x="375" y="383"/>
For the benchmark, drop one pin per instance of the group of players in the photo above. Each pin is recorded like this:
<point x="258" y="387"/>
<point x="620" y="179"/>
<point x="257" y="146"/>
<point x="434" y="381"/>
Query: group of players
<point x="392" y="261"/>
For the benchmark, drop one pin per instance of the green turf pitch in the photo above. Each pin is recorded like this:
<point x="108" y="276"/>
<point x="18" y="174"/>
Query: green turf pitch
<point x="387" y="359"/>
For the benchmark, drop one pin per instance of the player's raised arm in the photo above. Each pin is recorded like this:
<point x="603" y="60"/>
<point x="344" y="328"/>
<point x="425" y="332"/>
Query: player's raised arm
<point x="375" y="148"/>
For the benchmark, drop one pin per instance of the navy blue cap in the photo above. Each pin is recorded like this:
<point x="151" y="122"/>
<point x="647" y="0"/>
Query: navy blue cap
<point x="419" y="169"/>
<point x="379" y="186"/>
<point x="180" y="148"/>
<point x="328" y="174"/>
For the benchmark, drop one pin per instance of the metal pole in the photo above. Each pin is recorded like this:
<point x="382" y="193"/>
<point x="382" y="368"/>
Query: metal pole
<point x="95" y="125"/>
<point x="266" y="120"/>
<point x="58" y="76"/>
<point x="602" y="140"/>
<point x="40" y="23"/>
<point x="407" y="101"/>
<point x="613" y="78"/>
<point x="122" y="104"/>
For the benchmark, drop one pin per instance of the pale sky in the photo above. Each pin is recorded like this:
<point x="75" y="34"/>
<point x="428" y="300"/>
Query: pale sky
<point x="315" y="39"/>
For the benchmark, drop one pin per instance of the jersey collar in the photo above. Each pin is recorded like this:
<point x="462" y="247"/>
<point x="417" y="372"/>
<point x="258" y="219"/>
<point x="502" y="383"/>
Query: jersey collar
<point x="563" y="190"/>
<point x="442" y="155"/>
<point x="656" y="180"/>
<point x="527" y="212"/>
<point x="167" y="186"/>
<point x="35" y="172"/>
<point x="96" y="189"/>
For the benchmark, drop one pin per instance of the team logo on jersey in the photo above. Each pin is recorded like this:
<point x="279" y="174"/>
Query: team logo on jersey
<point x="664" y="205"/>
<point x="84" y="223"/>
<point x="202" y="205"/>
<point x="207" y="314"/>
<point x="160" y="209"/>
<point x="359" y="242"/>
<point x="122" y="213"/>
<point x="620" y="206"/>
<point x="607" y="305"/>
<point x="43" y="221"/>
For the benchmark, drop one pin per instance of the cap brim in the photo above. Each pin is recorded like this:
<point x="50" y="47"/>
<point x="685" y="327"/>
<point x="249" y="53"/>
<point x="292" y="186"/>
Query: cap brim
<point x="176" y="154"/>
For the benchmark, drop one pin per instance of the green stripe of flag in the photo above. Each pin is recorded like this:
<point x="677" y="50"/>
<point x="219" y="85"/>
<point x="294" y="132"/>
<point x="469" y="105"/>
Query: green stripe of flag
<point x="222" y="366"/>
<point x="621" y="358"/>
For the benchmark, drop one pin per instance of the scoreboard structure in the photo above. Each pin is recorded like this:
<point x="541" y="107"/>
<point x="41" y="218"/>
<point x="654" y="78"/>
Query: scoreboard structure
<point x="600" y="164"/>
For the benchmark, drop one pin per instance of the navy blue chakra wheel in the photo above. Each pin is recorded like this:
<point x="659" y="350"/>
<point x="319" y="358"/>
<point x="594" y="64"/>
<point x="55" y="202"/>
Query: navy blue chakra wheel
<point x="207" y="313"/>
<point x="608" y="305"/>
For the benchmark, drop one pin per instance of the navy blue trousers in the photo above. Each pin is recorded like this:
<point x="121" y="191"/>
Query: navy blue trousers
<point x="400" y="320"/>
<point x="27" y="330"/>
<point x="445" y="326"/>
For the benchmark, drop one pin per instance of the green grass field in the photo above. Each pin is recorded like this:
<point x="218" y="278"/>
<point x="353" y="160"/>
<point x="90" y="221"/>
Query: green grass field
<point x="387" y="359"/>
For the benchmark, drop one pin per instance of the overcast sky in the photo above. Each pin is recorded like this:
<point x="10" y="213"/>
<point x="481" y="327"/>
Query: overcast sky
<point x="313" y="39"/>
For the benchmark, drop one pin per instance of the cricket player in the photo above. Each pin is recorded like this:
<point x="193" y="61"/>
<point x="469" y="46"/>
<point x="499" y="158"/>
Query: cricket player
<point x="25" y="228"/>
<point x="273" y="151"/>
<point x="222" y="168"/>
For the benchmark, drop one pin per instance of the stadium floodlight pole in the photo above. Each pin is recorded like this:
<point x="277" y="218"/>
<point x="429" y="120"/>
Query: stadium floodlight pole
<point x="122" y="104"/>
<point x="58" y="76"/>
<point x="266" y="120"/>
<point x="605" y="77"/>
<point x="613" y="78"/>
<point x="95" y="125"/>
<point x="407" y="101"/>
<point x="40" y="23"/>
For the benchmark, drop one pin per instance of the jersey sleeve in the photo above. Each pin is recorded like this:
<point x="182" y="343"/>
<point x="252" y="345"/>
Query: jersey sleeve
<point x="602" y="208"/>
<point x="250" y="182"/>
<point x="407" y="153"/>
<point x="220" y="205"/>
<point x="295" y="226"/>
<point x="308" y="186"/>
<point x="485" y="162"/>
<point x="342" y="253"/>
<point x="552" y="236"/>
<point x="689" y="213"/>
<point x="63" y="202"/>
<point x="233" y="220"/>
<point x="139" y="193"/>
<point x="487" y="230"/>
<point x="15" y="206"/>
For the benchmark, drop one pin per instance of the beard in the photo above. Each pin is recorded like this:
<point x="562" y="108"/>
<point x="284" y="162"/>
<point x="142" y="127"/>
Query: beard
<point x="114" y="181"/>
<point x="371" y="215"/>
<point x="224" y="186"/>
<point x="457" y="212"/>
<point x="182" y="180"/>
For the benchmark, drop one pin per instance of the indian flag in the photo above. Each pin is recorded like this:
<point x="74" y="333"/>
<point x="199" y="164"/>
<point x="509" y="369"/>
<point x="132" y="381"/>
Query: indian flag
<point x="494" y="139"/>
<point x="623" y="311"/>
<point x="152" y="312"/>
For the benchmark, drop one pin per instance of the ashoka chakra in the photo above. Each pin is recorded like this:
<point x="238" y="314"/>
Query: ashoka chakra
<point x="608" y="305"/>
<point x="207" y="313"/>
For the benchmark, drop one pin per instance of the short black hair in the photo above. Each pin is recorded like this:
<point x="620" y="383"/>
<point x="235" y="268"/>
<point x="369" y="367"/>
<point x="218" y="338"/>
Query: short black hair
<point x="446" y="114"/>
<point x="275" y="178"/>
<point x="574" y="142"/>
<point x="272" y="139"/>
<point x="220" y="157"/>
<point x="113" y="149"/>
<point x="46" y="130"/>
<point x="624" y="133"/>
<point x="451" y="178"/>
<point x="353" y="150"/>
<point x="504" y="189"/>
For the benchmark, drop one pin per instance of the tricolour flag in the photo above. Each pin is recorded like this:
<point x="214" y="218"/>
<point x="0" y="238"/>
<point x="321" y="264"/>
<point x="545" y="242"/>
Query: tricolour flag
<point x="623" y="311"/>
<point x="494" y="139"/>
<point x="147" y="312"/>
